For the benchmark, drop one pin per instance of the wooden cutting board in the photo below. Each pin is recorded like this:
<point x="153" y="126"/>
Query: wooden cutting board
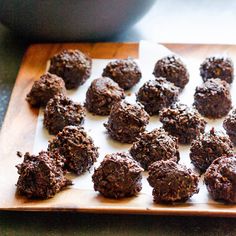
<point x="18" y="133"/>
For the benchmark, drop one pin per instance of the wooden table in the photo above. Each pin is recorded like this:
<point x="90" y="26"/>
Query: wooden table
<point x="18" y="223"/>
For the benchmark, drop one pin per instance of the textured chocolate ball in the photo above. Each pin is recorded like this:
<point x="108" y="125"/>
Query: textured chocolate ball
<point x="155" y="146"/>
<point x="118" y="176"/>
<point x="102" y="94"/>
<point x="173" y="69"/>
<point x="126" y="122"/>
<point x="212" y="99"/>
<point x="73" y="66"/>
<point x="41" y="176"/>
<point x="208" y="147"/>
<point x="217" y="67"/>
<point x="172" y="182"/>
<point x="78" y="149"/>
<point x="157" y="94"/>
<point x="124" y="72"/>
<point x="182" y="122"/>
<point x="60" y="112"/>
<point x="220" y="179"/>
<point x="229" y="125"/>
<point x="44" y="89"/>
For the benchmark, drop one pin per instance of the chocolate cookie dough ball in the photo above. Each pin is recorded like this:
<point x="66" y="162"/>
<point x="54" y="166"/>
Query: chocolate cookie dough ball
<point x="118" y="176"/>
<point x="74" y="144"/>
<point x="126" y="122"/>
<point x="102" y="94"/>
<point x="155" y="146"/>
<point x="41" y="176"/>
<point x="60" y="112"/>
<point x="217" y="67"/>
<point x="73" y="66"/>
<point x="182" y="122"/>
<point x="173" y="69"/>
<point x="172" y="182"/>
<point x="44" y="89"/>
<point x="229" y="125"/>
<point x="208" y="147"/>
<point x="220" y="179"/>
<point x="124" y="72"/>
<point x="212" y="99"/>
<point x="157" y="94"/>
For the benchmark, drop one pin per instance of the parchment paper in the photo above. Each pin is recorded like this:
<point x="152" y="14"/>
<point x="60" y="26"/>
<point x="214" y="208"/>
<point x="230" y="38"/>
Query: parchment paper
<point x="149" y="53"/>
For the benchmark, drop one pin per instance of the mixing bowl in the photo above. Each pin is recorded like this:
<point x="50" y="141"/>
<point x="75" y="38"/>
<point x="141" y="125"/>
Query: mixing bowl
<point x="71" y="20"/>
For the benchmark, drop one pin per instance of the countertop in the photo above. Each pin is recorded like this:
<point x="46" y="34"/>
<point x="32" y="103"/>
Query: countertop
<point x="169" y="21"/>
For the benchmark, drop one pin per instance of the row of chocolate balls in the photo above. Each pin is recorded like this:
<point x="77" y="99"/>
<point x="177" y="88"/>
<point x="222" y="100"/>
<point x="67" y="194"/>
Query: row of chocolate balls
<point x="119" y="175"/>
<point x="75" y="68"/>
<point x="126" y="121"/>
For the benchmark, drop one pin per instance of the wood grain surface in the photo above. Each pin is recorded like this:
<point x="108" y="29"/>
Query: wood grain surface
<point x="18" y="133"/>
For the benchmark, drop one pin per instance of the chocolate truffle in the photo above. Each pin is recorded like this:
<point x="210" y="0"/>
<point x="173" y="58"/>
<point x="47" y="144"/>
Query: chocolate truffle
<point x="229" y="125"/>
<point x="212" y="99"/>
<point x="220" y="179"/>
<point x="124" y="72"/>
<point x="102" y="94"/>
<point x="126" y="122"/>
<point x="172" y="182"/>
<point x="182" y="122"/>
<point x="157" y="94"/>
<point x="73" y="66"/>
<point x="44" y="89"/>
<point x="41" y="176"/>
<point x="60" y="112"/>
<point x="217" y="67"/>
<point x="118" y="176"/>
<point x="77" y="147"/>
<point x="208" y="147"/>
<point x="155" y="146"/>
<point x="173" y="69"/>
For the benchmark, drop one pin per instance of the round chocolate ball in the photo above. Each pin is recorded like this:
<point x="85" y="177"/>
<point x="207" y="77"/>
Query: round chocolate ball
<point x="102" y="94"/>
<point x="118" y="176"/>
<point x="172" y="182"/>
<point x="124" y="72"/>
<point x="41" y="176"/>
<point x="220" y="179"/>
<point x="173" y="69"/>
<point x="126" y="122"/>
<point x="78" y="149"/>
<point x="73" y="66"/>
<point x="208" y="147"/>
<point x="212" y="99"/>
<point x="155" y="146"/>
<point x="60" y="112"/>
<point x="157" y="94"/>
<point x="182" y="122"/>
<point x="217" y="67"/>
<point x="229" y="125"/>
<point x="44" y="89"/>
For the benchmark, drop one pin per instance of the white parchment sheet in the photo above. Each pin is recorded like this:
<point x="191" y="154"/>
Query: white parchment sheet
<point x="149" y="53"/>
